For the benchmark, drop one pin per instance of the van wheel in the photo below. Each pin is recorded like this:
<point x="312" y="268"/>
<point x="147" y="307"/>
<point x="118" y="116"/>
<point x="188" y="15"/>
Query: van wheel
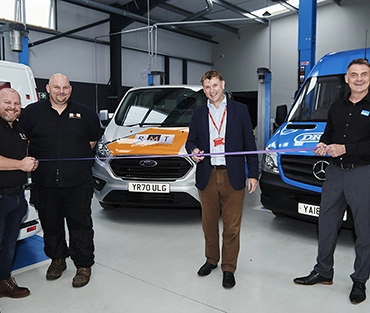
<point x="108" y="206"/>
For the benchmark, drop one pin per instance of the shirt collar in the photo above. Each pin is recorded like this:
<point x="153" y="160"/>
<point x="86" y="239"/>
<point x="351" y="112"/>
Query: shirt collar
<point x="366" y="98"/>
<point x="6" y="124"/>
<point x="222" y="104"/>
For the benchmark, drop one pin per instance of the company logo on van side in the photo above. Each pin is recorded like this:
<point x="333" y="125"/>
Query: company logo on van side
<point x="301" y="139"/>
<point x="166" y="139"/>
<point x="151" y="141"/>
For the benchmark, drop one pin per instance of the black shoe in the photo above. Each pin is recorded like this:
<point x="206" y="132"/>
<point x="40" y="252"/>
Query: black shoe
<point x="229" y="280"/>
<point x="357" y="294"/>
<point x="313" y="278"/>
<point x="206" y="269"/>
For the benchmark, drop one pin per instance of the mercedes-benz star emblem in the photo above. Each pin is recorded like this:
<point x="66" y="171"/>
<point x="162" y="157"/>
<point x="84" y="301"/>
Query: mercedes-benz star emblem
<point x="318" y="169"/>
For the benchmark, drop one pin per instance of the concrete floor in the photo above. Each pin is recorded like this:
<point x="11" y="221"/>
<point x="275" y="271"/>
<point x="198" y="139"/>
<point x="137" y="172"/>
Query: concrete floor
<point x="146" y="262"/>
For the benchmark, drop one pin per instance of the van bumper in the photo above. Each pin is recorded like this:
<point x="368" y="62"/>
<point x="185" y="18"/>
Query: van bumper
<point x="30" y="223"/>
<point x="113" y="192"/>
<point x="282" y="199"/>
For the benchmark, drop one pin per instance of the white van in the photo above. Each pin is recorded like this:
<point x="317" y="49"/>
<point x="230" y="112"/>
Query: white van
<point x="141" y="158"/>
<point x="20" y="78"/>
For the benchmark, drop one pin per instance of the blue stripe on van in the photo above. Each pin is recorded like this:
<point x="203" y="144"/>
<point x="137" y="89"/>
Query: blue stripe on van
<point x="29" y="251"/>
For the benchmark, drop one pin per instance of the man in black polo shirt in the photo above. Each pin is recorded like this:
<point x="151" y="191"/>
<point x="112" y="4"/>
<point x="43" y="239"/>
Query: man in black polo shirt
<point x="346" y="140"/>
<point x="14" y="163"/>
<point x="62" y="134"/>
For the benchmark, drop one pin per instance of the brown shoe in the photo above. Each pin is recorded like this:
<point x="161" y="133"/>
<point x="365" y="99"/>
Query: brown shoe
<point x="56" y="269"/>
<point x="82" y="277"/>
<point x="9" y="288"/>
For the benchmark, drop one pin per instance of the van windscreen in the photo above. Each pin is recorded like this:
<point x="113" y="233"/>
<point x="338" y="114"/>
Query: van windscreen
<point x="4" y="85"/>
<point x="316" y="97"/>
<point x="170" y="107"/>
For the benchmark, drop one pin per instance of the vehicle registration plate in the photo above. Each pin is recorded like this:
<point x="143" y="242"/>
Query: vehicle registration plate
<point x="313" y="210"/>
<point x="308" y="209"/>
<point x="149" y="187"/>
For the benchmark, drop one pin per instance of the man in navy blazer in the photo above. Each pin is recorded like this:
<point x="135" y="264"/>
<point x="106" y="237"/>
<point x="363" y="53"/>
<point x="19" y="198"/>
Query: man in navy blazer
<point x="218" y="129"/>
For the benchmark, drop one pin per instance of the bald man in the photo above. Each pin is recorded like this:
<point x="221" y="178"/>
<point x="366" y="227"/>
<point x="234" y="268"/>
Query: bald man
<point x="62" y="134"/>
<point x="14" y="165"/>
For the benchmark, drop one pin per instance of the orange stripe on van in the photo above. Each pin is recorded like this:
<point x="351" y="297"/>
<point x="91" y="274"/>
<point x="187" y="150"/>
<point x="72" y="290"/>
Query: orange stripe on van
<point x="157" y="141"/>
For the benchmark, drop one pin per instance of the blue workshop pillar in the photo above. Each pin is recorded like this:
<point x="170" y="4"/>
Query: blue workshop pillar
<point x="23" y="55"/>
<point x="307" y="16"/>
<point x="264" y="107"/>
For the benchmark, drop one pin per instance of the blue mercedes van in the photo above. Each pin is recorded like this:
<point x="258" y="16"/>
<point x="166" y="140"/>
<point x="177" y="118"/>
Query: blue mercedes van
<point x="291" y="182"/>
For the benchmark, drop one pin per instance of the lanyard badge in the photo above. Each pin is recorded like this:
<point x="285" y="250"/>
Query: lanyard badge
<point x="219" y="140"/>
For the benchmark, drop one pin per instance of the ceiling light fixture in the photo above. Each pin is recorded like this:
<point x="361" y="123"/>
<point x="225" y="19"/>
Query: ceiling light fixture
<point x="287" y="5"/>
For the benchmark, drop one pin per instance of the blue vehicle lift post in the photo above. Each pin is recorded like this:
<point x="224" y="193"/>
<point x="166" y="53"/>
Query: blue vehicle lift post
<point x="14" y="47"/>
<point x="307" y="16"/>
<point x="264" y="107"/>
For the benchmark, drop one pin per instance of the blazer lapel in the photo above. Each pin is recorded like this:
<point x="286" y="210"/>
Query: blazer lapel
<point x="229" y="118"/>
<point x="205" y="123"/>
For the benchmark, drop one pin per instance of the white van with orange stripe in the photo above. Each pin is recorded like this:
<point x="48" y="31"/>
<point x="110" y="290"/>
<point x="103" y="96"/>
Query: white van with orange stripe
<point x="20" y="77"/>
<point x="141" y="158"/>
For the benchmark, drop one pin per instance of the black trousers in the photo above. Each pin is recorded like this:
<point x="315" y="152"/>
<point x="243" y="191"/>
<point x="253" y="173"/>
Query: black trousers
<point x="72" y="205"/>
<point x="341" y="189"/>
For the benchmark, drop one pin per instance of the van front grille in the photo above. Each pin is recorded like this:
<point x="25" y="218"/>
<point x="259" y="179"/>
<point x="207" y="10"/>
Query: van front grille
<point x="141" y="167"/>
<point x="301" y="168"/>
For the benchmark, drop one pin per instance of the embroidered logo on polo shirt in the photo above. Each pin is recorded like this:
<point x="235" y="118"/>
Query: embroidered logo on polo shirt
<point x="23" y="136"/>
<point x="75" y="115"/>
<point x="365" y="113"/>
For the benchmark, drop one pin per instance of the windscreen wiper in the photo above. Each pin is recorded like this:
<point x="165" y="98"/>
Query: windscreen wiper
<point x="143" y="124"/>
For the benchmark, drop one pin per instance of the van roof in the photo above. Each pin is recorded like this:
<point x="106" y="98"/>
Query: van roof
<point x="192" y="87"/>
<point x="336" y="62"/>
<point x="19" y="77"/>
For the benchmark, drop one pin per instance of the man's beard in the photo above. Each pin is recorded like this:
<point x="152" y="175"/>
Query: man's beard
<point x="8" y="118"/>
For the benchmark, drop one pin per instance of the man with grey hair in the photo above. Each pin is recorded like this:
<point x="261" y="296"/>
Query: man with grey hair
<point x="346" y="140"/>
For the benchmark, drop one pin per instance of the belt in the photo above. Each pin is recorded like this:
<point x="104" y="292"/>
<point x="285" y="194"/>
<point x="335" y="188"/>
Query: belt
<point x="346" y="166"/>
<point x="219" y="167"/>
<point x="9" y="191"/>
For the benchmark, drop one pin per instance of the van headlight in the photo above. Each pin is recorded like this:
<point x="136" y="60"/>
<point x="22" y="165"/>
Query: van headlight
<point x="270" y="163"/>
<point x="102" y="151"/>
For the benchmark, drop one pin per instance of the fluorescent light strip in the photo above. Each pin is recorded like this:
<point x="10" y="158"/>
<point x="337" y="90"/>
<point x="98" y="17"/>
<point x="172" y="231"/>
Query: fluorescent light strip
<point x="277" y="9"/>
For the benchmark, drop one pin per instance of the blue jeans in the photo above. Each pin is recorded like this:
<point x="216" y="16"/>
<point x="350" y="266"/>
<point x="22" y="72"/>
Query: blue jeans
<point x="13" y="207"/>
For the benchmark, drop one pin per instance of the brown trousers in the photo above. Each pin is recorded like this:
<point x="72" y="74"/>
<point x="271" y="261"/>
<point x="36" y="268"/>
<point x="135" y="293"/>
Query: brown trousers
<point x="220" y="197"/>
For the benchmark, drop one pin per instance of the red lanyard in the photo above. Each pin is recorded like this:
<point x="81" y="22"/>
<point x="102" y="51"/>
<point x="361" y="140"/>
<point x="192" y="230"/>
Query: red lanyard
<point x="214" y="123"/>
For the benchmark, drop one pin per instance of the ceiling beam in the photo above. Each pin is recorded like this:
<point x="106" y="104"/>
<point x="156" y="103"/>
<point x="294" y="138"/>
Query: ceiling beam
<point x="185" y="13"/>
<point x="67" y="33"/>
<point x="135" y="17"/>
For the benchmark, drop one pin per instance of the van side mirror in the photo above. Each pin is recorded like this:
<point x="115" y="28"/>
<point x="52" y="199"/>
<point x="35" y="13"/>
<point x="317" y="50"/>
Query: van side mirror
<point x="104" y="117"/>
<point x="281" y="113"/>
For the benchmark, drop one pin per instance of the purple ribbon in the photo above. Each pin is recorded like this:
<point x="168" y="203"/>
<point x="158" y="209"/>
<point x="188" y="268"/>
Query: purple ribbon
<point x="184" y="155"/>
